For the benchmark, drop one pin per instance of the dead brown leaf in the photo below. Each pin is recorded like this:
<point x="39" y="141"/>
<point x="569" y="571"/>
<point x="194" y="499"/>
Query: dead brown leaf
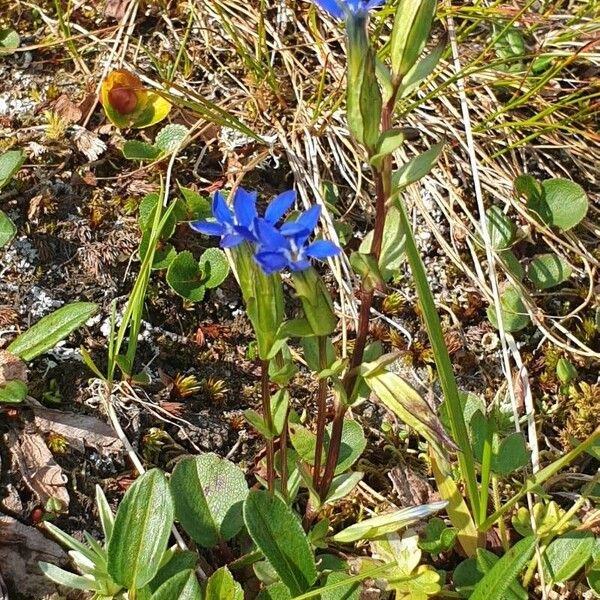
<point x="116" y="9"/>
<point x="79" y="430"/>
<point x="68" y="111"/>
<point x="40" y="472"/>
<point x="11" y="367"/>
<point x="21" y="548"/>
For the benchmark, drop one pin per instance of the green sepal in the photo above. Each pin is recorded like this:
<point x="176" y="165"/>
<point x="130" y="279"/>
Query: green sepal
<point x="316" y="301"/>
<point x="363" y="93"/>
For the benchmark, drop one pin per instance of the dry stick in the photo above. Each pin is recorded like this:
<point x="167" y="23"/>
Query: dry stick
<point x="266" y="406"/>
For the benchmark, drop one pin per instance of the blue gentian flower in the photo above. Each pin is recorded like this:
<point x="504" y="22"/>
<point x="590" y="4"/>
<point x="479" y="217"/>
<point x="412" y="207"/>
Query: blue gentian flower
<point x="340" y="9"/>
<point x="240" y="225"/>
<point x="288" y="247"/>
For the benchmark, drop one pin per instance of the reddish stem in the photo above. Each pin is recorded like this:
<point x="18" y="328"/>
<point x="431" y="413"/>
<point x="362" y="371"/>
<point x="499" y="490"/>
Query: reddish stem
<point x="382" y="180"/>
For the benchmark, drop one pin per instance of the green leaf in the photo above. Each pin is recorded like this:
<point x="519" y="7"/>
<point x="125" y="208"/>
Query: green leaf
<point x="279" y="536"/>
<point x="340" y="592"/>
<point x="276" y="591"/>
<point x="548" y="270"/>
<point x="565" y="371"/>
<point x="388" y="142"/>
<point x="62" y="577"/>
<point x="51" y="329"/>
<point x="136" y="150"/>
<point x="465" y="576"/>
<point x="352" y="445"/>
<point x="416" y="167"/>
<point x="107" y="519"/>
<point x="9" y="40"/>
<point x="514" y="313"/>
<point x="170" y="137"/>
<point x="501" y="229"/>
<point x="280" y="401"/>
<point x="174" y="562"/>
<point x="485" y="562"/>
<point x="147" y="210"/>
<point x="405" y="402"/>
<point x="392" y="246"/>
<point x="208" y="492"/>
<point x="378" y="526"/>
<point x="567" y="554"/>
<point x="512" y="454"/>
<point x="185" y="277"/>
<point x="422" y="69"/>
<point x="141" y="531"/>
<point x="197" y="207"/>
<point x="214" y="266"/>
<point x="222" y="586"/>
<point x="183" y="586"/>
<point x="258" y="423"/>
<point x="558" y="202"/>
<point x="342" y="485"/>
<point x="7" y="229"/>
<point x="511" y="264"/>
<point x="10" y="163"/>
<point x="412" y="25"/>
<point x="499" y="578"/>
<point x="567" y="202"/>
<point x="437" y="537"/>
<point x="13" y="392"/>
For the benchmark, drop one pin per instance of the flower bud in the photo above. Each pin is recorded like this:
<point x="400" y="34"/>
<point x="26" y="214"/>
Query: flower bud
<point x="316" y="301"/>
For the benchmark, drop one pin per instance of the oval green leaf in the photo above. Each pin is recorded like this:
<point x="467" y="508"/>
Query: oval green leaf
<point x="566" y="202"/>
<point x="278" y="534"/>
<point x="222" y="586"/>
<point x="7" y="229"/>
<point x="10" y="163"/>
<point x="185" y="277"/>
<point x="209" y="492"/>
<point x="141" y="531"/>
<point x="548" y="270"/>
<point x="170" y="137"/>
<point x="214" y="266"/>
<point x="514" y="313"/>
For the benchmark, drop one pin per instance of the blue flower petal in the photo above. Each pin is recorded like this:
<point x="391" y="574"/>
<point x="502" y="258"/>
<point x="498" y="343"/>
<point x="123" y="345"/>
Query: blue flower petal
<point x="333" y="7"/>
<point x="374" y="4"/>
<point x="244" y="206"/>
<point x="279" y="206"/>
<point x="322" y="249"/>
<point x="246" y="232"/>
<point x="269" y="237"/>
<point x="207" y="227"/>
<point x="271" y="262"/>
<point x="220" y="209"/>
<point x="231" y="239"/>
<point x="299" y="265"/>
<point x="293" y="228"/>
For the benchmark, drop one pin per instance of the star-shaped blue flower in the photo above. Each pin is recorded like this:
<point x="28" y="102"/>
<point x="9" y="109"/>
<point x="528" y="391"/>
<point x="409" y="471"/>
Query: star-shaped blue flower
<point x="340" y="9"/>
<point x="239" y="225"/>
<point x="288" y="247"/>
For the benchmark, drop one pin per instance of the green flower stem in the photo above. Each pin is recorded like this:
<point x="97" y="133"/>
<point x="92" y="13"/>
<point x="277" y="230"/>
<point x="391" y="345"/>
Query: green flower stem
<point x="444" y="366"/>
<point x="268" y="417"/>
<point x="486" y="472"/>
<point x="321" y="410"/>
